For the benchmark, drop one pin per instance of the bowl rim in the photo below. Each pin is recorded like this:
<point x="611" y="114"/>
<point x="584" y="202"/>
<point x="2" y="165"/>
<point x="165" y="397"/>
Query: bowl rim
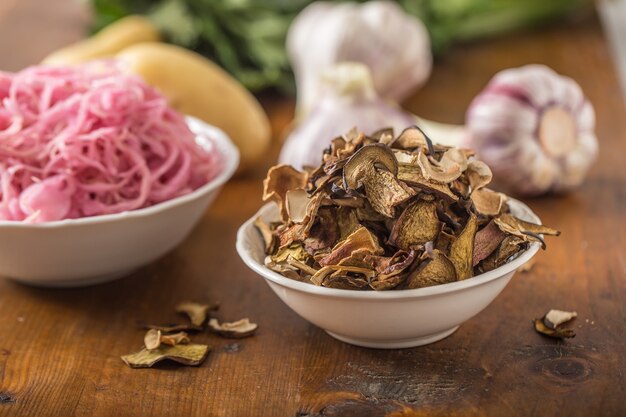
<point x="435" y="290"/>
<point x="230" y="159"/>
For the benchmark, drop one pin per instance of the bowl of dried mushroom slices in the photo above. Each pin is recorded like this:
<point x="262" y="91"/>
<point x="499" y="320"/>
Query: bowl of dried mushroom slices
<point x="392" y="242"/>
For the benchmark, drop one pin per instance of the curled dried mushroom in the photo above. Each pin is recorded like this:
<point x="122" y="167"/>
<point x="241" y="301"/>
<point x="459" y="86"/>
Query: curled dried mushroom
<point x="550" y="324"/>
<point x="236" y="329"/>
<point x="384" y="212"/>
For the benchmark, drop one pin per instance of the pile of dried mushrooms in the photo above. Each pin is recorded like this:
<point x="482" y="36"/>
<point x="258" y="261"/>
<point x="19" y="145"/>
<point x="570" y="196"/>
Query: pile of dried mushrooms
<point x="385" y="212"/>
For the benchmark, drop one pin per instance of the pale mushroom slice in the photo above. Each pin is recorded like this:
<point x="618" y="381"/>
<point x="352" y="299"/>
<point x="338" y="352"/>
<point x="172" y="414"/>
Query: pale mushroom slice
<point x="478" y="174"/>
<point x="360" y="239"/>
<point x="152" y="339"/>
<point x="488" y="202"/>
<point x="444" y="172"/>
<point x="417" y="225"/>
<point x="462" y="249"/>
<point x="180" y="338"/>
<point x="191" y="355"/>
<point x="197" y="312"/>
<point x="279" y="180"/>
<point x="375" y="168"/>
<point x="236" y="329"/>
<point x="269" y="238"/>
<point x="410" y="138"/>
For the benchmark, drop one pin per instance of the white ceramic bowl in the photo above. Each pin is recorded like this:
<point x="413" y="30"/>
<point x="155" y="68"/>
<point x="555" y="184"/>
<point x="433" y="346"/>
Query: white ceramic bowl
<point x="79" y="252"/>
<point x="385" y="319"/>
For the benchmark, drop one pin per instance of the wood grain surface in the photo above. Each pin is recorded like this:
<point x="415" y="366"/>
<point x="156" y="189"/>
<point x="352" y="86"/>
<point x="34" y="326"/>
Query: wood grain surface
<point x="60" y="349"/>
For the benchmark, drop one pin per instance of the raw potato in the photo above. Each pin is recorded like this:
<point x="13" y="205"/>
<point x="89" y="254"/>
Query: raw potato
<point x="198" y="87"/>
<point x="108" y="42"/>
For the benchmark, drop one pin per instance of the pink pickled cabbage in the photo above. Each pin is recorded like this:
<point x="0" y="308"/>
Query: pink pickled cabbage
<point x="90" y="140"/>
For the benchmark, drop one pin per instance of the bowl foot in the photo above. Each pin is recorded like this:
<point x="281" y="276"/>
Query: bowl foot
<point x="76" y="283"/>
<point x="395" y="343"/>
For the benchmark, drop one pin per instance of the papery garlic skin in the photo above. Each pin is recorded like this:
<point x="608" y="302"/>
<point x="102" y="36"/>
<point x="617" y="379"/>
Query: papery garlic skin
<point x="535" y="130"/>
<point x="394" y="45"/>
<point x="348" y="100"/>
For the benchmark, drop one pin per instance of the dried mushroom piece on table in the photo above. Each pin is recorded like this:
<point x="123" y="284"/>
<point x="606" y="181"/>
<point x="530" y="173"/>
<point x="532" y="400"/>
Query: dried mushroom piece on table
<point x="382" y="212"/>
<point x="196" y="312"/>
<point x="191" y="355"/>
<point x="550" y="324"/>
<point x="237" y="329"/>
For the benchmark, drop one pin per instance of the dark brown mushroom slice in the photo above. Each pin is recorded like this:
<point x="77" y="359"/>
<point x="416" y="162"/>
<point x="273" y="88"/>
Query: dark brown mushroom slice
<point x="361" y="238"/>
<point x="237" y="329"/>
<point x="510" y="246"/>
<point x="444" y="241"/>
<point x="435" y="271"/>
<point x="412" y="175"/>
<point x="324" y="233"/>
<point x="279" y="180"/>
<point x="190" y="355"/>
<point x="486" y="242"/>
<point x="417" y="225"/>
<point x="557" y="333"/>
<point x="375" y="168"/>
<point x="390" y="270"/>
<point x="488" y="202"/>
<point x="462" y="249"/>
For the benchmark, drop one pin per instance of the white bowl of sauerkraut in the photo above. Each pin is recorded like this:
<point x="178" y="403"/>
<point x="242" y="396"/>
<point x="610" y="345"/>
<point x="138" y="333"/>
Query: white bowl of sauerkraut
<point x="98" y="175"/>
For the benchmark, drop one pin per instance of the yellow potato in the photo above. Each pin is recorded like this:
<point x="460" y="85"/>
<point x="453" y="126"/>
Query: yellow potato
<point x="198" y="87"/>
<point x="106" y="43"/>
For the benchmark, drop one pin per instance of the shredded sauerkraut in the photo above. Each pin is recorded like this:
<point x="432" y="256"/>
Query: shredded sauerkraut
<point x="89" y="140"/>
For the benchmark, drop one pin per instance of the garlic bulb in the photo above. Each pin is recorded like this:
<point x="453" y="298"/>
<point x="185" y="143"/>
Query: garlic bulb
<point x="535" y="129"/>
<point x="348" y="100"/>
<point x="379" y="34"/>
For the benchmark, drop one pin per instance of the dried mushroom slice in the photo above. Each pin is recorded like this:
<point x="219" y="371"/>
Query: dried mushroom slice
<point x="524" y="230"/>
<point x="486" y="242"/>
<point x="444" y="172"/>
<point x="452" y="158"/>
<point x="309" y="270"/>
<point x="412" y="175"/>
<point x="375" y="168"/>
<point x="417" y="225"/>
<point x="384" y="136"/>
<point x="360" y="239"/>
<point x="347" y="221"/>
<point x="488" y="202"/>
<point x="436" y="271"/>
<point x="295" y="251"/>
<point x="269" y="238"/>
<point x="555" y="318"/>
<point x="152" y="339"/>
<point x="390" y="270"/>
<point x="191" y="355"/>
<point x="237" y="329"/>
<point x="541" y="328"/>
<point x="410" y="138"/>
<point x="462" y="250"/>
<point x="478" y="174"/>
<point x="196" y="312"/>
<point x="180" y="338"/>
<point x="336" y="276"/>
<point x="279" y="180"/>
<point x="324" y="233"/>
<point x="297" y="202"/>
<point x="283" y="268"/>
<point x="510" y="246"/>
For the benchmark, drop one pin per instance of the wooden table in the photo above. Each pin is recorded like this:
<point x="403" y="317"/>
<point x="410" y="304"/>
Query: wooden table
<point x="60" y="349"/>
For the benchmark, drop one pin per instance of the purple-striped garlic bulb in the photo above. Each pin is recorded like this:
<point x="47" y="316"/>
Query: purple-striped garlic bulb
<point x="535" y="129"/>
